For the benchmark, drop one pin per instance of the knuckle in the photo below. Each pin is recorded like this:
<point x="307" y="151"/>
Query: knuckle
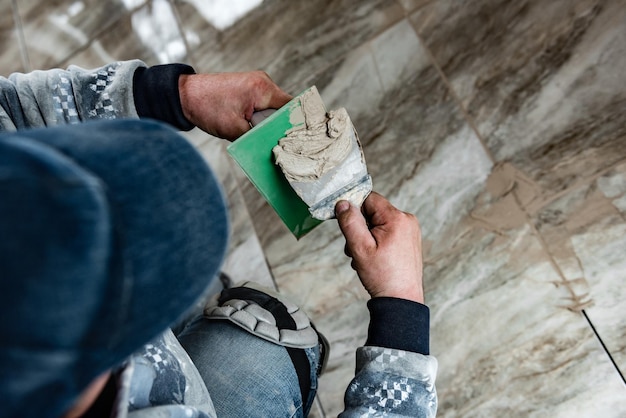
<point x="354" y="265"/>
<point x="254" y="80"/>
<point x="412" y="219"/>
<point x="261" y="78"/>
<point x="408" y="222"/>
<point x="361" y="251"/>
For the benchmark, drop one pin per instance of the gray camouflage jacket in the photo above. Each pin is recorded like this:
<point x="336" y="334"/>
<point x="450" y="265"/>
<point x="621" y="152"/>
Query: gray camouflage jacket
<point x="389" y="381"/>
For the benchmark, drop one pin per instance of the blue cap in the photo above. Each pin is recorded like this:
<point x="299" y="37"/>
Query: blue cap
<point x="109" y="231"/>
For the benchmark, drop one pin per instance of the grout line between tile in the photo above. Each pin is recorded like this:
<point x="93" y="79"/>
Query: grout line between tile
<point x="582" y="304"/>
<point x="376" y="66"/>
<point x="578" y="302"/>
<point x="578" y="184"/>
<point x="20" y="37"/>
<point x="179" y="23"/>
<point x="320" y="407"/>
<point x="413" y="8"/>
<point x="341" y="57"/>
<point x="544" y="247"/>
<point x="96" y="35"/>
<point x="457" y="99"/>
<point x="606" y="350"/>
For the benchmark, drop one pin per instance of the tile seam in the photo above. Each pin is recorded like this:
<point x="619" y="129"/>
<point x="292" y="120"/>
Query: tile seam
<point x="320" y="406"/>
<point x="578" y="184"/>
<point x="179" y="23"/>
<point x="468" y="119"/>
<point x="544" y="246"/>
<point x="21" y="39"/>
<point x="95" y="36"/>
<point x="604" y="347"/>
<point x="341" y="57"/>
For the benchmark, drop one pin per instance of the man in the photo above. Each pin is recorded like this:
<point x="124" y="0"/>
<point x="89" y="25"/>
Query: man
<point x="112" y="228"/>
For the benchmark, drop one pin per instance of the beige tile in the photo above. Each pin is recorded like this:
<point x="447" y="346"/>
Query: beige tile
<point x="149" y="33"/>
<point x="585" y="232"/>
<point x="55" y="31"/>
<point x="292" y="41"/>
<point x="412" y="5"/>
<point x="541" y="81"/>
<point x="11" y="58"/>
<point x="390" y="53"/>
<point x="505" y="345"/>
<point x="342" y="362"/>
<point x="316" y="410"/>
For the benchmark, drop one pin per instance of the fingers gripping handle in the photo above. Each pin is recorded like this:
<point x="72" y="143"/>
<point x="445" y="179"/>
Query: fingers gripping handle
<point x="260" y="116"/>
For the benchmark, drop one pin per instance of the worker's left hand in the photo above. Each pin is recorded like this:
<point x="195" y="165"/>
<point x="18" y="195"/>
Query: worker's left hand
<point x="222" y="104"/>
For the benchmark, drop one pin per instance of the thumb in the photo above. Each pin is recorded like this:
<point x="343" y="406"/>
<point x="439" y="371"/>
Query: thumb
<point x="278" y="99"/>
<point x="240" y="127"/>
<point x="353" y="226"/>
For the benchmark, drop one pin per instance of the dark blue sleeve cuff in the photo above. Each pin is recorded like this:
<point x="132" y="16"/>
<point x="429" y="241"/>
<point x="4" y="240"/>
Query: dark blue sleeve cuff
<point x="155" y="90"/>
<point x="399" y="323"/>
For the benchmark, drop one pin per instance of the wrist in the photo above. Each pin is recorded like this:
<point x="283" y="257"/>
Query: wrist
<point x="414" y="294"/>
<point x="156" y="92"/>
<point x="399" y="324"/>
<point x="183" y="79"/>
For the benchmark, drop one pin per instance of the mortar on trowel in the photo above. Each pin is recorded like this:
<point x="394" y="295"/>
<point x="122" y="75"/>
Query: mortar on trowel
<point x="322" y="158"/>
<point x="319" y="155"/>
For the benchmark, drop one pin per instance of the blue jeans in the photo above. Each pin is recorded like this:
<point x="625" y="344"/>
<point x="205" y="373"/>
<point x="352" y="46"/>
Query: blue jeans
<point x="109" y="232"/>
<point x="247" y="376"/>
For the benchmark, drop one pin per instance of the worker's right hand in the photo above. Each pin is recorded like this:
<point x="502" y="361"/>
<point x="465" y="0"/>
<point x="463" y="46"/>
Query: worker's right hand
<point x="385" y="246"/>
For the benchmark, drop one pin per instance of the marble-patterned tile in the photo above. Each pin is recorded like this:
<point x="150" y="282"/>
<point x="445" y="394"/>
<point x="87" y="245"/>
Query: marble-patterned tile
<point x="505" y="345"/>
<point x="412" y="5"/>
<point x="346" y="329"/>
<point x="317" y="410"/>
<point x="55" y="31"/>
<point x="585" y="232"/>
<point x="158" y="30"/>
<point x="542" y="85"/>
<point x="149" y="33"/>
<point x="541" y="81"/>
<point x="10" y="43"/>
<point x="292" y="41"/>
<point x="613" y="186"/>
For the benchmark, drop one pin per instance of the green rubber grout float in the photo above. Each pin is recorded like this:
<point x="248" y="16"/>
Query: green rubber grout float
<point x="303" y="203"/>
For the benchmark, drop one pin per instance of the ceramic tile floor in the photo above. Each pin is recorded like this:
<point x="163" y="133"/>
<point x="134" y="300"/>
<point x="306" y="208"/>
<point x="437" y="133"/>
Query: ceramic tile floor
<point x="500" y="124"/>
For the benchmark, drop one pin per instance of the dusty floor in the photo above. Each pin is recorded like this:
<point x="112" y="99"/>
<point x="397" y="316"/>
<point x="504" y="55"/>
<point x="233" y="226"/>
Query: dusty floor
<point x="500" y="124"/>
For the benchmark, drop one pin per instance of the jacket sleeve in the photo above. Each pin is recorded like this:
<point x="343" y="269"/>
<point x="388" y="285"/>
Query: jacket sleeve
<point x="395" y="375"/>
<point x="126" y="89"/>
